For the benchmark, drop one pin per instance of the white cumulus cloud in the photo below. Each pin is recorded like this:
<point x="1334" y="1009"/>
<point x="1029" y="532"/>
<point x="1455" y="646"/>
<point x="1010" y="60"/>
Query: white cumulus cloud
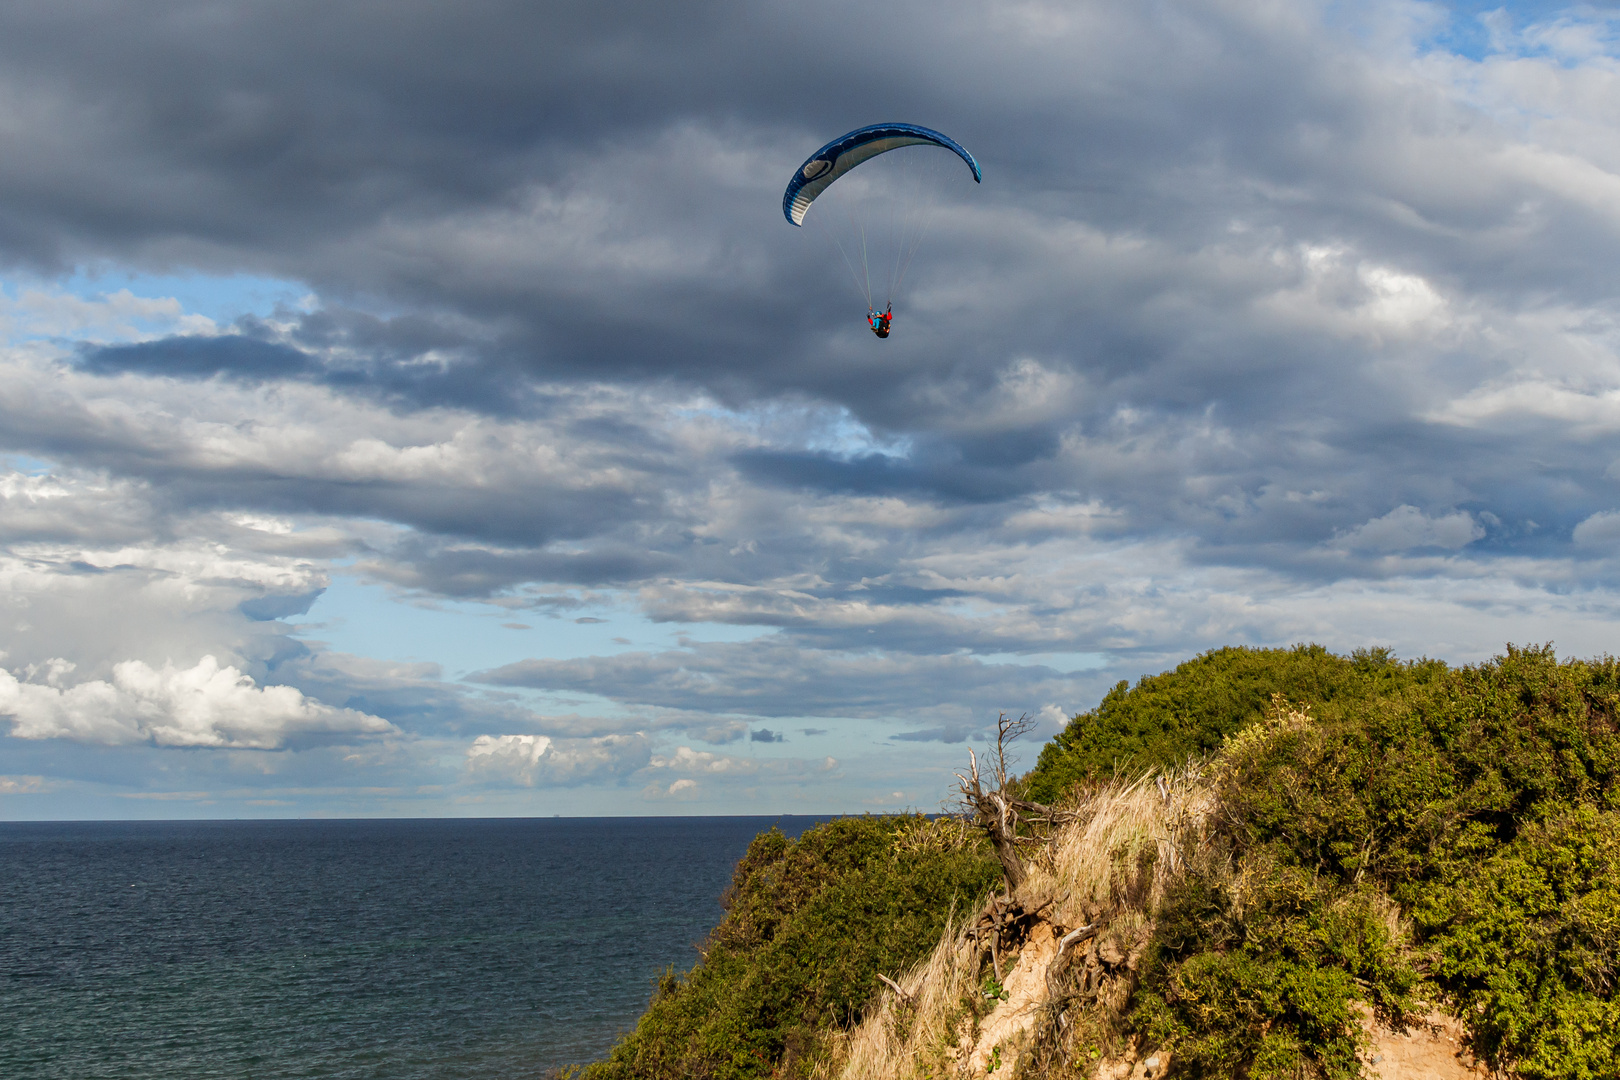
<point x="684" y="789"/>
<point x="530" y="760"/>
<point x="704" y="763"/>
<point x="1407" y="527"/>
<point x="205" y="706"/>
<point x="1600" y="530"/>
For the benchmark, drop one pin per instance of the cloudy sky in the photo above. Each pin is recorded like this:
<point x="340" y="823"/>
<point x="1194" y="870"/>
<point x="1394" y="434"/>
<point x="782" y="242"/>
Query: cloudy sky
<point x="424" y="409"/>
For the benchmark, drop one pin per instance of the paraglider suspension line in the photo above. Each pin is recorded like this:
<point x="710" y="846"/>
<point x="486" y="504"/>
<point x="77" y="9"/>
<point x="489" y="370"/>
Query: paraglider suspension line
<point x="866" y="268"/>
<point x="897" y="228"/>
<point x="908" y="217"/>
<point x="863" y="276"/>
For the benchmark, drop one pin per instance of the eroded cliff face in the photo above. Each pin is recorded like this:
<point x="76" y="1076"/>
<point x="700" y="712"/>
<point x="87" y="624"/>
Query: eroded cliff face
<point x="1035" y="982"/>
<point x="1038" y="981"/>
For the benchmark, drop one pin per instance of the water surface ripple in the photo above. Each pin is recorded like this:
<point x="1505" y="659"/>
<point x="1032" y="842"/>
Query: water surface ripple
<point x="413" y="949"/>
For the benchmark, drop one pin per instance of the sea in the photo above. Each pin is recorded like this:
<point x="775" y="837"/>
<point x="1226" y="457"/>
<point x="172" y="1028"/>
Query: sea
<point x="497" y="949"/>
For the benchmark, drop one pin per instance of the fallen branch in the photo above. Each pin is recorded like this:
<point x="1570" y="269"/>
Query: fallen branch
<point x="1074" y="937"/>
<point x="1043" y="905"/>
<point x="896" y="987"/>
<point x="1054" y="969"/>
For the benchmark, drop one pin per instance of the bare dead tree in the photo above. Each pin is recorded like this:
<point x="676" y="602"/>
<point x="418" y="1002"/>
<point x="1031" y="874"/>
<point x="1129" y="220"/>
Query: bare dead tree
<point x="995" y="809"/>
<point x="1007" y="820"/>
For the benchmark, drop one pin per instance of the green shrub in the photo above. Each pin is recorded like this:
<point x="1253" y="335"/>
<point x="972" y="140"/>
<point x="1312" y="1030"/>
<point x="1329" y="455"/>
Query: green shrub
<point x="810" y="924"/>
<point x="1418" y="832"/>
<point x="1259" y="980"/>
<point x="1484" y="801"/>
<point x="1416" y="788"/>
<point x="1530" y="947"/>
<point x="1186" y="713"/>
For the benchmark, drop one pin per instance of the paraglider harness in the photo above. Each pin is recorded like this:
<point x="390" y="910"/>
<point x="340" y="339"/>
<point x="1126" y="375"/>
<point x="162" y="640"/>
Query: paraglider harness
<point x="880" y="323"/>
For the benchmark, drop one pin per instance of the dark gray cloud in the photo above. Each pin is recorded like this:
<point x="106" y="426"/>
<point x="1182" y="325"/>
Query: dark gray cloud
<point x="594" y="233"/>
<point x="198" y="358"/>
<point x="1266" y="325"/>
<point x="940" y="734"/>
<point x="776" y="676"/>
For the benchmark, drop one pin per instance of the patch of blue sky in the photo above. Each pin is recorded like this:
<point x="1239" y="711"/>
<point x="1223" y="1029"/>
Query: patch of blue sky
<point x="808" y="427"/>
<point x="1477" y="29"/>
<point x="844" y="436"/>
<point x="25" y="463"/>
<point x="113" y="304"/>
<point x="365" y="619"/>
<point x="223" y="298"/>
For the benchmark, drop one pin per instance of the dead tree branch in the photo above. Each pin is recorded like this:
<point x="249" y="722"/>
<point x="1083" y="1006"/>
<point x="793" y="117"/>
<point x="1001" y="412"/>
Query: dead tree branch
<point x="896" y="987"/>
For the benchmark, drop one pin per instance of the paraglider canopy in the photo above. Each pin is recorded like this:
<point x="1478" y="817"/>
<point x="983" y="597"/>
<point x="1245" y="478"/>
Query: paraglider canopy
<point x="847" y="151"/>
<point x="886" y="208"/>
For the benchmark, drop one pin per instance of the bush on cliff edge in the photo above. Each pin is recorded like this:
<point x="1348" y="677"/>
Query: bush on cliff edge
<point x="810" y="924"/>
<point x="1171" y="717"/>
<point x="1482" y="806"/>
<point x="1426" y="834"/>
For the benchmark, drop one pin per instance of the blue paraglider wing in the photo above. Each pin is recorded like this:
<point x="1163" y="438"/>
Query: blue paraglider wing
<point x="847" y="151"/>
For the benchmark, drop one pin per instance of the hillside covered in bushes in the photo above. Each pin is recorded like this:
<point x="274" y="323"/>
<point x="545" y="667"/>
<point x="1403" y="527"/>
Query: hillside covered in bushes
<point x="1265" y="863"/>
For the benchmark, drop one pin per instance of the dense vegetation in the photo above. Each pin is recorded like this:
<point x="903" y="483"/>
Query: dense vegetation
<point x="810" y="924"/>
<point x="1186" y="713"/>
<point x="1387" y="835"/>
<point x="1457" y="837"/>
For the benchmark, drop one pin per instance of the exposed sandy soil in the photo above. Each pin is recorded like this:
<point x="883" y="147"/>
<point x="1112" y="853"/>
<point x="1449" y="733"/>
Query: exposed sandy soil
<point x="1132" y="1067"/>
<point x="1434" y="1050"/>
<point x="1007" y="1023"/>
<point x="1431" y="1050"/>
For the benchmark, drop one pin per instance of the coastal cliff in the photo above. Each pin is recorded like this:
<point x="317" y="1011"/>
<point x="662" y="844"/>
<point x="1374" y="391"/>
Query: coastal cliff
<point x="1263" y="864"/>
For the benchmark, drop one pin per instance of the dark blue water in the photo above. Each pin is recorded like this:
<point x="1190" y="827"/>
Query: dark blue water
<point x="443" y="949"/>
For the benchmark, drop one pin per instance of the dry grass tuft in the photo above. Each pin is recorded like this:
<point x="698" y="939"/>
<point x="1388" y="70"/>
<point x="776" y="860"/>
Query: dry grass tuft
<point x="935" y="835"/>
<point x="911" y="1038"/>
<point x="1128" y="843"/>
